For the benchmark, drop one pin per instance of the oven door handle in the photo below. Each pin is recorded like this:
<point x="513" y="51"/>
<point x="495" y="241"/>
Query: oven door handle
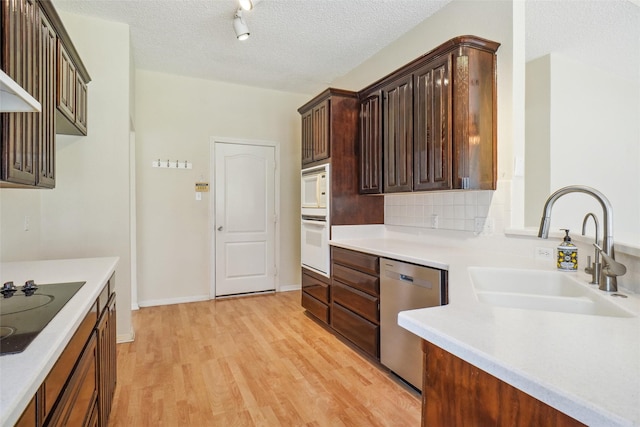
<point x="314" y="223"/>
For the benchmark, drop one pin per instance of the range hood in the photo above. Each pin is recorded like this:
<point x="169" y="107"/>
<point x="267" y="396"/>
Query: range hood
<point x="14" y="99"/>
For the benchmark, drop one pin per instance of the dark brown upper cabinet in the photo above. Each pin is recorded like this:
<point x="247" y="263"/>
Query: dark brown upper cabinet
<point x="330" y="135"/>
<point x="438" y="116"/>
<point x="315" y="132"/>
<point x="37" y="53"/>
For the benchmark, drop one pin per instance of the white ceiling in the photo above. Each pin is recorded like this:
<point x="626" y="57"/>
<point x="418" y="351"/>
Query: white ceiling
<point x="303" y="45"/>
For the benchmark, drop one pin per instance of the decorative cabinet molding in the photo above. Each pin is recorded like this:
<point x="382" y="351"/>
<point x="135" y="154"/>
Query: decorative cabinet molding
<point x="438" y="118"/>
<point x="35" y="44"/>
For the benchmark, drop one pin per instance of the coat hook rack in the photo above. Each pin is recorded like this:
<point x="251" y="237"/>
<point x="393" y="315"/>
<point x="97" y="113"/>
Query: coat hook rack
<point x="171" y="164"/>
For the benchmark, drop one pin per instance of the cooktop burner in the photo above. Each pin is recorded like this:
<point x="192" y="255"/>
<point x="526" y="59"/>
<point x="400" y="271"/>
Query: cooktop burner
<point x="24" y="315"/>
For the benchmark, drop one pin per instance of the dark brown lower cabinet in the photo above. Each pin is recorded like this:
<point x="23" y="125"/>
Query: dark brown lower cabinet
<point x="456" y="393"/>
<point x="355" y="298"/>
<point x="79" y="389"/>
<point x="316" y="295"/>
<point x="106" y="330"/>
<point x="30" y="416"/>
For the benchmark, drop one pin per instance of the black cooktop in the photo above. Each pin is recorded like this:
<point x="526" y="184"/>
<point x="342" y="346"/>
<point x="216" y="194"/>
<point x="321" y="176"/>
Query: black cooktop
<point x="22" y="317"/>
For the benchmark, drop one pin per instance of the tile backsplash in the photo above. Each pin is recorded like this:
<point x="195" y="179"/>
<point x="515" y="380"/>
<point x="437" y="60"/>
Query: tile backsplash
<point x="483" y="212"/>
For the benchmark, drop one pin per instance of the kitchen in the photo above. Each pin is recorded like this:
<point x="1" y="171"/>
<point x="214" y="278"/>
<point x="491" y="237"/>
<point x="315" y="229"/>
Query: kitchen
<point x="94" y="176"/>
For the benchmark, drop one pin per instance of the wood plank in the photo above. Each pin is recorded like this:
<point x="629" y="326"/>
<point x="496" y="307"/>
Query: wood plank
<point x="250" y="361"/>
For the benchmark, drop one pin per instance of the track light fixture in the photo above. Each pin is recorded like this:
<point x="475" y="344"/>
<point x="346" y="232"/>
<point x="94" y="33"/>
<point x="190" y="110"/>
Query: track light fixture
<point x="240" y="27"/>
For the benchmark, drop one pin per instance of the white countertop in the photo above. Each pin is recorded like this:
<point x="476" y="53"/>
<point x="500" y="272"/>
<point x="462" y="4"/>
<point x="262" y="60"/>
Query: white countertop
<point x="585" y="366"/>
<point x="21" y="374"/>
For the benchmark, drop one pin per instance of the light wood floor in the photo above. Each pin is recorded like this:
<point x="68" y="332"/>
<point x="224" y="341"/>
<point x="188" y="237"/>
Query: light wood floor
<point x="249" y="361"/>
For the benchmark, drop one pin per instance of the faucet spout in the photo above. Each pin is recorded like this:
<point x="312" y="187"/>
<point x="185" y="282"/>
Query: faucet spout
<point x="609" y="282"/>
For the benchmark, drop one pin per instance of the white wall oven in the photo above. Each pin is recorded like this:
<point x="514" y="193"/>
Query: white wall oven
<point x="314" y="197"/>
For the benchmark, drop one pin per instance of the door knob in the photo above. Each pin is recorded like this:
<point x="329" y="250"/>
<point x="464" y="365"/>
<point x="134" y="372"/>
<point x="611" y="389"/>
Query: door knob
<point x="220" y="228"/>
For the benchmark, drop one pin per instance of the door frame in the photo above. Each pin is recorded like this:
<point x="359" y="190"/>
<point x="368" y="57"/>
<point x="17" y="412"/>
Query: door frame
<point x="212" y="201"/>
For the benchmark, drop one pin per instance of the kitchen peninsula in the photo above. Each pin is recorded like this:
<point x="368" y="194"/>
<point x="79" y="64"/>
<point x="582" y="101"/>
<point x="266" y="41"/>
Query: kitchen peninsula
<point x="585" y="366"/>
<point x="22" y="374"/>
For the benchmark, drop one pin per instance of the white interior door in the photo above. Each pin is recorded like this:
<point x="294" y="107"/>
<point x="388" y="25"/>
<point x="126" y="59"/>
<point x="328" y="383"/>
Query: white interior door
<point x="245" y="218"/>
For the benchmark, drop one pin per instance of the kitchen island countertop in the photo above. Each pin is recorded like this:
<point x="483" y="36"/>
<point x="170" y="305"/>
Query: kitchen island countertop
<point x="21" y="374"/>
<point x="587" y="367"/>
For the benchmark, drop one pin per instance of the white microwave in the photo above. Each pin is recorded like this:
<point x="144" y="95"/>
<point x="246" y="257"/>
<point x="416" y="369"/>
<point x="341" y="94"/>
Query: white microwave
<point x="314" y="189"/>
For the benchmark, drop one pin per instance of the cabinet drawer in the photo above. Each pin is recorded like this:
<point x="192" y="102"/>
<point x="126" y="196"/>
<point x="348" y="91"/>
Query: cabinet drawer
<point x="364" y="282"/>
<point x="315" y="307"/>
<point x="363" y="304"/>
<point x="356" y="329"/>
<point x="315" y="287"/>
<point x="358" y="260"/>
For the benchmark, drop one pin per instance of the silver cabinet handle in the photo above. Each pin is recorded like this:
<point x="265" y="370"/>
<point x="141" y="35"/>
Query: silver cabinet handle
<point x="220" y="228"/>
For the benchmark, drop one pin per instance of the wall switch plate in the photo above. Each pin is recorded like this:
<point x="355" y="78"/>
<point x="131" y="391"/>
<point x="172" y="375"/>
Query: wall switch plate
<point x="544" y="253"/>
<point x="434" y="221"/>
<point x="27" y="221"/>
<point x="198" y="196"/>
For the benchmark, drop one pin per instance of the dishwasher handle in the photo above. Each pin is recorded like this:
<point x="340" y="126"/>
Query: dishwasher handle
<point x="406" y="278"/>
<point x="410" y="280"/>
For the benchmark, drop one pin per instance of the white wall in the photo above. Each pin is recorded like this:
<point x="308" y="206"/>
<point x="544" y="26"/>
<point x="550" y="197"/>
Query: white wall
<point x="87" y="214"/>
<point x="538" y="130"/>
<point x="593" y="139"/>
<point x="175" y="119"/>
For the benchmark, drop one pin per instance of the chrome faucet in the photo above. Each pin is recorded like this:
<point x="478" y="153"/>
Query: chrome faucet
<point x="594" y="269"/>
<point x="612" y="268"/>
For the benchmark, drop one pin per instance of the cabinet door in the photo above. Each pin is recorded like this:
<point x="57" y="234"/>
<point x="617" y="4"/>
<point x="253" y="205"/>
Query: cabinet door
<point x="474" y="112"/>
<point x="370" y="145"/>
<point x="432" y="133"/>
<point x="81" y="104"/>
<point x="78" y="401"/>
<point x="397" y="139"/>
<point x="47" y="94"/>
<point x="66" y="81"/>
<point x="106" y="331"/>
<point x="320" y="124"/>
<point x="19" y="130"/>
<point x="307" y="138"/>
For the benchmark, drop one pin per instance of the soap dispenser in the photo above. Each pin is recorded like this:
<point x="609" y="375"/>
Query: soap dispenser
<point x="567" y="254"/>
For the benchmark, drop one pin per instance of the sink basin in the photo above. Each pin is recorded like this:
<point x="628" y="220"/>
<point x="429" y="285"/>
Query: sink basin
<point x="541" y="290"/>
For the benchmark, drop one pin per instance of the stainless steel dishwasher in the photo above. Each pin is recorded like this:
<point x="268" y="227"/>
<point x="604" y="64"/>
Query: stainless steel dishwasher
<point x="406" y="286"/>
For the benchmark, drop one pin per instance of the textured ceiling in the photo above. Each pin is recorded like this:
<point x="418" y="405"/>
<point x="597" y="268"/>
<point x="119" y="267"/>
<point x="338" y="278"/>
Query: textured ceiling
<point x="303" y="45"/>
<point x="295" y="45"/>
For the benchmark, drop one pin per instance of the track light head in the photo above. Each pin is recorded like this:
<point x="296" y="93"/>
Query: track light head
<point x="240" y="26"/>
<point x="248" y="4"/>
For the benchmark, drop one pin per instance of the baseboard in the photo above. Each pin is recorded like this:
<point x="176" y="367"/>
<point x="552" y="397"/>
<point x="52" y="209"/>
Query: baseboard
<point x="170" y="301"/>
<point x="134" y="306"/>
<point x="288" y="288"/>
<point x="128" y="337"/>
